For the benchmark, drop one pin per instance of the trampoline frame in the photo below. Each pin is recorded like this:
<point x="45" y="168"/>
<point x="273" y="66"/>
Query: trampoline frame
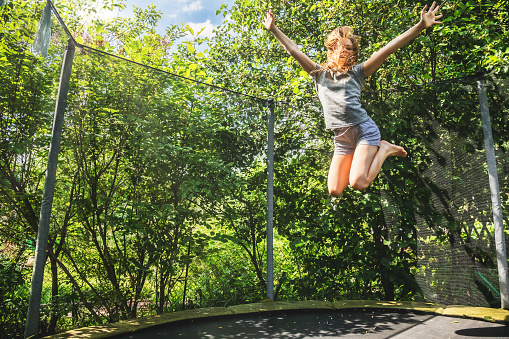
<point x="130" y="326"/>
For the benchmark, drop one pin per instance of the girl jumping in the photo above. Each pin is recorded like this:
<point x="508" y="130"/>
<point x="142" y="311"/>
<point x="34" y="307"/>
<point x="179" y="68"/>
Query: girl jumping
<point x="358" y="151"/>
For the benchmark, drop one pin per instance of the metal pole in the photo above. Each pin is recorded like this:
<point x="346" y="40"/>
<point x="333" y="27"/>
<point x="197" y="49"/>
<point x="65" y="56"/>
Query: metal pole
<point x="270" y="201"/>
<point x="34" y="305"/>
<point x="495" y="195"/>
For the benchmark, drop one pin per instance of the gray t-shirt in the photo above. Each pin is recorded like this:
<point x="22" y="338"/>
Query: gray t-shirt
<point x="340" y="96"/>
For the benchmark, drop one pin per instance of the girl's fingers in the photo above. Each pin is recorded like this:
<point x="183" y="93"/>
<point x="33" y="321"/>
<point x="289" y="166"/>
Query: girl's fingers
<point x="430" y="16"/>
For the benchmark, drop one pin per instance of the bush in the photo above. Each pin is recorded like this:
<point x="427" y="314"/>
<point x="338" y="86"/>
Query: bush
<point x="14" y="296"/>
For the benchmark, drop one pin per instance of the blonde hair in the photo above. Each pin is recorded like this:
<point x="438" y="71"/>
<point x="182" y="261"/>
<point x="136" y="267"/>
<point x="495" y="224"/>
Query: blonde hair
<point x="335" y="43"/>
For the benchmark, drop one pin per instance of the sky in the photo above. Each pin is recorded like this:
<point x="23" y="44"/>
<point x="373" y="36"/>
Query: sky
<point x="195" y="13"/>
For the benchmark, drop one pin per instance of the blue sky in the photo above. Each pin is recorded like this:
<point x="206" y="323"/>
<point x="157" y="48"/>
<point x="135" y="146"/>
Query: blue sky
<point x="196" y="13"/>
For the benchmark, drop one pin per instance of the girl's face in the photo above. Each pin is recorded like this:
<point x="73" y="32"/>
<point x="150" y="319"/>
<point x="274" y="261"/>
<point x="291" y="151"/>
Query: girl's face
<point x="346" y="51"/>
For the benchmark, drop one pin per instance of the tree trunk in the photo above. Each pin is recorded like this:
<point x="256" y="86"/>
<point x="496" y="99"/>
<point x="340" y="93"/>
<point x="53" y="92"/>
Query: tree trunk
<point x="185" y="279"/>
<point x="55" y="303"/>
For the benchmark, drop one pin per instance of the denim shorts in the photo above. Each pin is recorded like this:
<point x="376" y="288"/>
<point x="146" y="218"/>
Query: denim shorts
<point x="346" y="139"/>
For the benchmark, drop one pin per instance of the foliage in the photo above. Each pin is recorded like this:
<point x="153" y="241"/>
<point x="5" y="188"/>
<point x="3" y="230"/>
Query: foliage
<point x="403" y="116"/>
<point x="160" y="198"/>
<point x="438" y="53"/>
<point x="13" y="299"/>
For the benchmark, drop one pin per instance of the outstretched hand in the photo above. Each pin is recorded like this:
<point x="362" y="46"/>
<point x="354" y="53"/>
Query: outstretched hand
<point x="270" y="21"/>
<point x="429" y="18"/>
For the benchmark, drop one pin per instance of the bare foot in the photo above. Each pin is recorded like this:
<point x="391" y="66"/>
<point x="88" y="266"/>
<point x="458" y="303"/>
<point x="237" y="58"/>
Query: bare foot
<point x="392" y="150"/>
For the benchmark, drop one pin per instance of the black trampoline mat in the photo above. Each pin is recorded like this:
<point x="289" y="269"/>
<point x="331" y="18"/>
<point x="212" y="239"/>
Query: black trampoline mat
<point x="327" y="324"/>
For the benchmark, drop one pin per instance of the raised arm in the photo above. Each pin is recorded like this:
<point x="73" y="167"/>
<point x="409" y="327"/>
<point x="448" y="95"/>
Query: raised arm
<point x="428" y="19"/>
<point x="291" y="47"/>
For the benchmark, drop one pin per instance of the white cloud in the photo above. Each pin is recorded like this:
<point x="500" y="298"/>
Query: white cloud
<point x="102" y="13"/>
<point x="227" y="18"/>
<point x="207" y="32"/>
<point x="193" y="6"/>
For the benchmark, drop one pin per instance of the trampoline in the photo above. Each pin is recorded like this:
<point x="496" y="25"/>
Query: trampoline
<point x="312" y="319"/>
<point x="327" y="324"/>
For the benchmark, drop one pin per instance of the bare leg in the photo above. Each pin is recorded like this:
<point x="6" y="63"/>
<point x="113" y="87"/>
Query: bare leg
<point x="368" y="160"/>
<point x="339" y="173"/>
